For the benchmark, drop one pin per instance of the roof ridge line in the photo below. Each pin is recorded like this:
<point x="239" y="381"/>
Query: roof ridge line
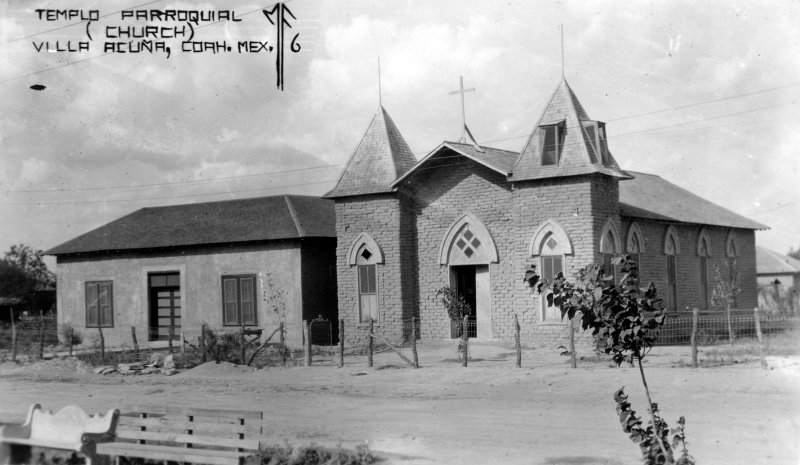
<point x="300" y="231"/>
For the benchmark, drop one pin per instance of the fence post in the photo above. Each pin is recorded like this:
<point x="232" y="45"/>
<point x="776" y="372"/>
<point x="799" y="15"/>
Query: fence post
<point x="307" y="335"/>
<point x="183" y="342"/>
<point x="241" y="344"/>
<point x="203" y="342"/>
<point x="695" y="311"/>
<point x="414" y="341"/>
<point x="341" y="342"/>
<point x="13" y="336"/>
<point x="283" y="346"/>
<point x="102" y="345"/>
<point x="369" y="342"/>
<point x="135" y="343"/>
<point x="70" y="335"/>
<point x="465" y="341"/>
<point x="41" y="335"/>
<point x="760" y="339"/>
<point x="170" y="335"/>
<point x="517" y="341"/>
<point x="573" y="357"/>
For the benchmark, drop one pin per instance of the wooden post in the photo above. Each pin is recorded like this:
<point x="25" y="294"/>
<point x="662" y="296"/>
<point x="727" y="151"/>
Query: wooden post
<point x="41" y="335"/>
<point x="241" y="345"/>
<point x="135" y="343"/>
<point x="369" y="342"/>
<point x="203" y="342"/>
<point x="414" y="341"/>
<point x="307" y="336"/>
<point x="695" y="311"/>
<point x="341" y="342"/>
<point x="283" y="345"/>
<point x="170" y="335"/>
<point x="13" y="336"/>
<point x="572" y="355"/>
<point x="465" y="341"/>
<point x="517" y="341"/>
<point x="760" y="339"/>
<point x="102" y="345"/>
<point x="183" y="342"/>
<point x="70" y="335"/>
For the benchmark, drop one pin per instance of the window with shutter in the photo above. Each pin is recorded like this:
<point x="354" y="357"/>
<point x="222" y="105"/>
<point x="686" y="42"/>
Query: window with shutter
<point x="368" y="293"/>
<point x="99" y="304"/>
<point x="239" y="300"/>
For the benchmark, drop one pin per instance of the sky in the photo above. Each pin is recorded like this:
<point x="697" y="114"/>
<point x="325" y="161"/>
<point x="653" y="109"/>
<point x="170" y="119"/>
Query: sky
<point x="702" y="94"/>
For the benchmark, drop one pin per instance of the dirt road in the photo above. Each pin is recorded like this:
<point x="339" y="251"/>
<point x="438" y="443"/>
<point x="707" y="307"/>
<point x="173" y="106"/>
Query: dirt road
<point x="490" y="412"/>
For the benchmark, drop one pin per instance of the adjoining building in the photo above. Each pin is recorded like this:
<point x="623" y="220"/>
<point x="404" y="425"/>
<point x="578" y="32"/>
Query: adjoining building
<point x="214" y="263"/>
<point x="475" y="218"/>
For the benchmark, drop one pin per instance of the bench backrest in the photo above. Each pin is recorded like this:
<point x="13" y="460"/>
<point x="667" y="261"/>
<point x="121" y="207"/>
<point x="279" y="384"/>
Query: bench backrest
<point x="238" y="430"/>
<point x="68" y="428"/>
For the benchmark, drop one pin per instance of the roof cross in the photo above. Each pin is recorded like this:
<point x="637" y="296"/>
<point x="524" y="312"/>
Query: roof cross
<point x="463" y="91"/>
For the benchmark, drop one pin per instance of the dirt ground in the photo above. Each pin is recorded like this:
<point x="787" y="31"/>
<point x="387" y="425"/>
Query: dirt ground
<point x="491" y="412"/>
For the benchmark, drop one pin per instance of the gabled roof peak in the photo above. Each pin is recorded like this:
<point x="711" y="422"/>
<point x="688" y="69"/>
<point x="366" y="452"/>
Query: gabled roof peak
<point x="565" y="142"/>
<point x="380" y="157"/>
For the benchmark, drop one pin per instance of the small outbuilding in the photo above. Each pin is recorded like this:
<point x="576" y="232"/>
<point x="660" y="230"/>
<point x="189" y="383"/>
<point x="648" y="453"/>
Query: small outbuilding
<point x="216" y="263"/>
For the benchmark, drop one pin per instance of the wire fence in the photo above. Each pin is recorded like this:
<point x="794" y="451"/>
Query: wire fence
<point x="715" y="329"/>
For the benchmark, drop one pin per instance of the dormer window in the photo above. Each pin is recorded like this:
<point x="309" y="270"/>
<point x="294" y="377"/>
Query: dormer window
<point x="596" y="134"/>
<point x="552" y="142"/>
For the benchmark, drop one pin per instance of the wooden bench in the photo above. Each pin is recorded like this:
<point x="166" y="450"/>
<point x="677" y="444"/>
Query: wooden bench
<point x="70" y="429"/>
<point x="181" y="434"/>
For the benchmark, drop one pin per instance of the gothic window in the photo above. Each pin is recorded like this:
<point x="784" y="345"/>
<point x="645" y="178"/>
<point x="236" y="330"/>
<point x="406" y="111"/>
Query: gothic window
<point x="671" y="250"/>
<point x="550" y="244"/>
<point x="366" y="255"/>
<point x="635" y="246"/>
<point x="609" y="248"/>
<point x="468" y="242"/>
<point x="703" y="252"/>
<point x="732" y="252"/>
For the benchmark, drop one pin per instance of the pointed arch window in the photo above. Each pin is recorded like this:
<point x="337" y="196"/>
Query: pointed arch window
<point x="468" y="242"/>
<point x="366" y="255"/>
<point x="732" y="252"/>
<point x="672" y="248"/>
<point x="551" y="244"/>
<point x="609" y="248"/>
<point x="634" y="246"/>
<point x="703" y="252"/>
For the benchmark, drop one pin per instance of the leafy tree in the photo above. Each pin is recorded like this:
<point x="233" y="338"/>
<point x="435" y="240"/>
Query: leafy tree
<point x="723" y="295"/>
<point x="30" y="261"/>
<point x="625" y="321"/>
<point x="22" y="274"/>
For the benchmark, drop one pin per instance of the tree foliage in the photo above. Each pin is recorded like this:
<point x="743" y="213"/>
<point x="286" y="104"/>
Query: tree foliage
<point x="30" y="261"/>
<point x="625" y="320"/>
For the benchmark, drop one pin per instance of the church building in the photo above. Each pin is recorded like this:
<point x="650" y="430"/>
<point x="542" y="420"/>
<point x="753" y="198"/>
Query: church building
<point x="475" y="218"/>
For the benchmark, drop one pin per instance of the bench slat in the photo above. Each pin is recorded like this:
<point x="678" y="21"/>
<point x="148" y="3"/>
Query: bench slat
<point x="190" y="411"/>
<point x="146" y="451"/>
<point x="165" y="436"/>
<point x="182" y="424"/>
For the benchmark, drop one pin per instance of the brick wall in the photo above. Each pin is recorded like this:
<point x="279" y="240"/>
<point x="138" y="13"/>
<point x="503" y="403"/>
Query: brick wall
<point x="382" y="217"/>
<point x="653" y="263"/>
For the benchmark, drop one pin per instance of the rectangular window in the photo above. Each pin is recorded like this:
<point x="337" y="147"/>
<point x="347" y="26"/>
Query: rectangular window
<point x="635" y="260"/>
<point x="672" y="284"/>
<point x="609" y="268"/>
<point x="99" y="304"/>
<point x="239" y="300"/>
<point x="552" y="143"/>
<point x="367" y="293"/>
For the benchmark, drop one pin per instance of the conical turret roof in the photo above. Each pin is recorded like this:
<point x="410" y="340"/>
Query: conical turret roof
<point x="381" y="156"/>
<point x="581" y="142"/>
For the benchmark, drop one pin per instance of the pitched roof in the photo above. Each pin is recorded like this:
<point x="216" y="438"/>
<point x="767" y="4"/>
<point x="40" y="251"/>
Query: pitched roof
<point x="381" y="156"/>
<point x="242" y="220"/>
<point x="578" y="154"/>
<point x="650" y="196"/>
<point x="498" y="160"/>
<point x="771" y="262"/>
